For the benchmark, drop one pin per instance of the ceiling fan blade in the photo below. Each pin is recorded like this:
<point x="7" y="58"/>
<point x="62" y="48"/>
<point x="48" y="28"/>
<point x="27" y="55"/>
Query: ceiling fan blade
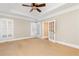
<point x="38" y="10"/>
<point x="26" y="5"/>
<point x="31" y="10"/>
<point x="41" y="5"/>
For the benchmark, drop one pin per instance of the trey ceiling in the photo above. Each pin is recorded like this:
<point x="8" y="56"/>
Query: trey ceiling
<point x="16" y="10"/>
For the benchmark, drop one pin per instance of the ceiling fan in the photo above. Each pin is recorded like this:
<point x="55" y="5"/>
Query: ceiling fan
<point x="35" y="6"/>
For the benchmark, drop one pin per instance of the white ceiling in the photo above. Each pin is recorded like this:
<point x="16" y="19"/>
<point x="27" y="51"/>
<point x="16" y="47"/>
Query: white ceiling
<point x="17" y="10"/>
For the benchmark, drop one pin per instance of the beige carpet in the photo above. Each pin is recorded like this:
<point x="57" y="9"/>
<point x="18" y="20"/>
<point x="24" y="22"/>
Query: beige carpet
<point x="35" y="47"/>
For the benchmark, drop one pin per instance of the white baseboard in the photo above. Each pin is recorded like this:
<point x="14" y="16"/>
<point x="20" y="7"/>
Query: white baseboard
<point x="14" y="39"/>
<point x="66" y="44"/>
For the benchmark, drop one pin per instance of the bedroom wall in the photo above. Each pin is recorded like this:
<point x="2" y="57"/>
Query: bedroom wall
<point x="22" y="28"/>
<point x="44" y="29"/>
<point x="67" y="27"/>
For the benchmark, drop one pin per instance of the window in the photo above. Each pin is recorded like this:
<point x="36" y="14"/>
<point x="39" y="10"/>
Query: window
<point x="6" y="29"/>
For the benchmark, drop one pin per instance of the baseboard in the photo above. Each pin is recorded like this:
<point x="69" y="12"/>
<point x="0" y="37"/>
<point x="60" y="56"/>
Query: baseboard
<point x="14" y="39"/>
<point x="67" y="44"/>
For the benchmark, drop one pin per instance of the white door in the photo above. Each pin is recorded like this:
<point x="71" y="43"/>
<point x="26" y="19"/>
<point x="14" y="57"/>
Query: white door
<point x="51" y="30"/>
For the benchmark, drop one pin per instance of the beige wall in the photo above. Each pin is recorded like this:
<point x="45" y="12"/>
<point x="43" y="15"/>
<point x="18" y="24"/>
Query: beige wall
<point x="45" y="28"/>
<point x="67" y="27"/>
<point x="22" y="28"/>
